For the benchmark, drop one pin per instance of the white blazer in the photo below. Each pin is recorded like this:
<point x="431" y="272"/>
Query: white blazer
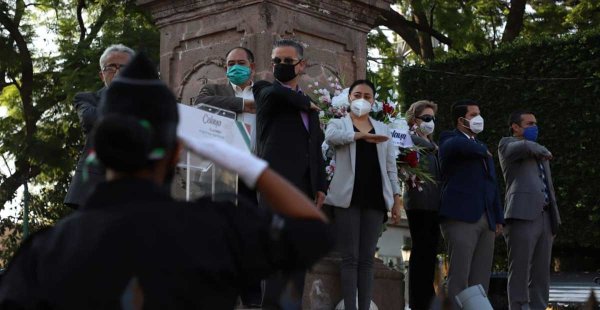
<point x="340" y="135"/>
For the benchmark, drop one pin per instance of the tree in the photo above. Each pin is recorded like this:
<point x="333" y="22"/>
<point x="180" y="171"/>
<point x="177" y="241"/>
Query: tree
<point x="435" y="28"/>
<point x="40" y="132"/>
<point x="476" y="25"/>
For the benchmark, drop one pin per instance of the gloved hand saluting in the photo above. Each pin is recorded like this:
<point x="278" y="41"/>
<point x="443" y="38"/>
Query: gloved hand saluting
<point x="246" y="165"/>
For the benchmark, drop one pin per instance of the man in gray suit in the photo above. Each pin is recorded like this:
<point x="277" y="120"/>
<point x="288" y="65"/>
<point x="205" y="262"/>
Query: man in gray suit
<point x="113" y="59"/>
<point x="531" y="213"/>
<point x="236" y="95"/>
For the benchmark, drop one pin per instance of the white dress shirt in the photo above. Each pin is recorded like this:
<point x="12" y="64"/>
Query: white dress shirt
<point x="247" y="118"/>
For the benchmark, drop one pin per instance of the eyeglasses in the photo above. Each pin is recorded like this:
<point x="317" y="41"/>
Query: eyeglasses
<point x="426" y="118"/>
<point x="287" y="61"/>
<point x="112" y="68"/>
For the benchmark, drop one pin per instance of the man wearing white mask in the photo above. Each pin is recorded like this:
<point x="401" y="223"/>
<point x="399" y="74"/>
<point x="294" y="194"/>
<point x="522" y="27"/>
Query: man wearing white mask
<point x="470" y="212"/>
<point x="363" y="188"/>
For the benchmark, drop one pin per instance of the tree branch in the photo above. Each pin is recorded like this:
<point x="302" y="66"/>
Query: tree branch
<point x="26" y="88"/>
<point x="105" y="13"/>
<point x="514" y="21"/>
<point x="421" y="27"/>
<point x="420" y="19"/>
<point x="19" y="10"/>
<point x="80" y="7"/>
<point x="431" y="14"/>
<point x="396" y="22"/>
<point x="24" y="169"/>
<point x="6" y="164"/>
<point x="9" y="186"/>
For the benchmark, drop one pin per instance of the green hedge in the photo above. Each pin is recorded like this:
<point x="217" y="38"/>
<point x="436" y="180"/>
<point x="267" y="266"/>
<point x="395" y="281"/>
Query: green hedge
<point x="568" y="112"/>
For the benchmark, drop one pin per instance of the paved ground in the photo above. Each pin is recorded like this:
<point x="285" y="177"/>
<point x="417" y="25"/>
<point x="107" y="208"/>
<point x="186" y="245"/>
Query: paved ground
<point x="574" y="287"/>
<point x="567" y="288"/>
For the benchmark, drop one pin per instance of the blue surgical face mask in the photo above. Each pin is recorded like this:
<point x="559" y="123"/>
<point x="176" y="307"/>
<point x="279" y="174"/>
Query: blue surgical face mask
<point x="531" y="133"/>
<point x="238" y="74"/>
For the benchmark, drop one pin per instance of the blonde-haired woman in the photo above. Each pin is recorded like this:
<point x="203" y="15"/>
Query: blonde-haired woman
<point x="362" y="190"/>
<point x="422" y="205"/>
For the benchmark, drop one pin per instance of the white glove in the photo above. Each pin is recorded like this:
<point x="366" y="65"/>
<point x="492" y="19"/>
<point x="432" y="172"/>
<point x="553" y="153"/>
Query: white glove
<point x="247" y="166"/>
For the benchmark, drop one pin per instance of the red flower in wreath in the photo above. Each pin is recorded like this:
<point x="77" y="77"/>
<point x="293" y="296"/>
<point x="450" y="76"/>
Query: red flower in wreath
<point x="412" y="158"/>
<point x="388" y="109"/>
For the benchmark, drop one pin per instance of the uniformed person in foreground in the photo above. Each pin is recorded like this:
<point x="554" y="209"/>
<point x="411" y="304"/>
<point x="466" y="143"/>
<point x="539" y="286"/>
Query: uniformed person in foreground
<point x="132" y="246"/>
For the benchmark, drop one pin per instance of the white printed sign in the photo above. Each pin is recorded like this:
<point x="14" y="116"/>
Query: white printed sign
<point x="201" y="176"/>
<point x="200" y="123"/>
<point x="401" y="138"/>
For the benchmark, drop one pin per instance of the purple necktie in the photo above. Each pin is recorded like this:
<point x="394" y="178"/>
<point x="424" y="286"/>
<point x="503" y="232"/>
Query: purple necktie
<point x="304" y="116"/>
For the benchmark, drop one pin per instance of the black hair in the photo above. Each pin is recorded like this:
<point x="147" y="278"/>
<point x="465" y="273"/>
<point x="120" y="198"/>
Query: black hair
<point x="288" y="42"/>
<point x="248" y="53"/>
<point x="362" y="82"/>
<point x="122" y="142"/>
<point x="515" y="118"/>
<point x="138" y="119"/>
<point x="460" y="108"/>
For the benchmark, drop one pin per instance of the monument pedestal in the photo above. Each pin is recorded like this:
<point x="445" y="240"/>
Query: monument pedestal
<point x="196" y="35"/>
<point x="388" y="289"/>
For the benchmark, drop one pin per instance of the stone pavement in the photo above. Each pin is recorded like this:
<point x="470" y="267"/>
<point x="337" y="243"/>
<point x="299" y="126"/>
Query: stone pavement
<point x="573" y="288"/>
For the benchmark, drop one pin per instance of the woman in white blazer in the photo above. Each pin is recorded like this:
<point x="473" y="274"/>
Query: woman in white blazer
<point x="363" y="188"/>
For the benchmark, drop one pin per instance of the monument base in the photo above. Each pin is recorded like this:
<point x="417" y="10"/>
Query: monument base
<point x="322" y="287"/>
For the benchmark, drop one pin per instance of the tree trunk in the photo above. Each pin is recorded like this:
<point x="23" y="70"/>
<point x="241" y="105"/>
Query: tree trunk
<point x="514" y="21"/>
<point x="424" y="38"/>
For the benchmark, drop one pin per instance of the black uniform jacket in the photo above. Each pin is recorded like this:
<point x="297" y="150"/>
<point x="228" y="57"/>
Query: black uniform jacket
<point x="183" y="255"/>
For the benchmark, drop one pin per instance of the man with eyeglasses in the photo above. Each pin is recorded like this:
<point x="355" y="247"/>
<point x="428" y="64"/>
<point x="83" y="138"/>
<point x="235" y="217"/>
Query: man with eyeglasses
<point x="531" y="213"/>
<point x="112" y="61"/>
<point x="289" y="138"/>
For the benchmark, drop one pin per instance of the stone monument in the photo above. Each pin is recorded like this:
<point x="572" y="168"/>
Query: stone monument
<point x="196" y="34"/>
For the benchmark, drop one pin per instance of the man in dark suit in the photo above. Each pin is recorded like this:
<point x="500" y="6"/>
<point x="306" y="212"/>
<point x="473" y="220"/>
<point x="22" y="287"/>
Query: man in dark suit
<point x="289" y="138"/>
<point x="113" y="59"/>
<point x="532" y="217"/>
<point x="470" y="208"/>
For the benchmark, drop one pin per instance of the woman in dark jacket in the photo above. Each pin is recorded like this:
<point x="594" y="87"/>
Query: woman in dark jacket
<point x="132" y="246"/>
<point x="421" y="202"/>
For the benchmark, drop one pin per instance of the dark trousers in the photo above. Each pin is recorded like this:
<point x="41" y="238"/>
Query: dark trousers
<point x="358" y="231"/>
<point x="251" y="294"/>
<point x="284" y="290"/>
<point x="424" y="231"/>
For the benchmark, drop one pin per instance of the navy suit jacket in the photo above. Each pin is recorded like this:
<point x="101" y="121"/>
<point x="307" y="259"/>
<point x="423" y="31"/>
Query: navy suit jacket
<point x="469" y="180"/>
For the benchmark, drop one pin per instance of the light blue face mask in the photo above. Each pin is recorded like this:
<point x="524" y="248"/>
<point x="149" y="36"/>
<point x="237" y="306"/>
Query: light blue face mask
<point x="238" y="74"/>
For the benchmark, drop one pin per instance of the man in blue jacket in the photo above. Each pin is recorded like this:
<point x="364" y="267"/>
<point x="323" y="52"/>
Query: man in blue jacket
<point x="471" y="215"/>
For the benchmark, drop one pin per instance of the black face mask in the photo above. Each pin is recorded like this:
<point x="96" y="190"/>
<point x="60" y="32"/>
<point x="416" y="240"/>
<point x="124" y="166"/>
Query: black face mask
<point x="284" y="72"/>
